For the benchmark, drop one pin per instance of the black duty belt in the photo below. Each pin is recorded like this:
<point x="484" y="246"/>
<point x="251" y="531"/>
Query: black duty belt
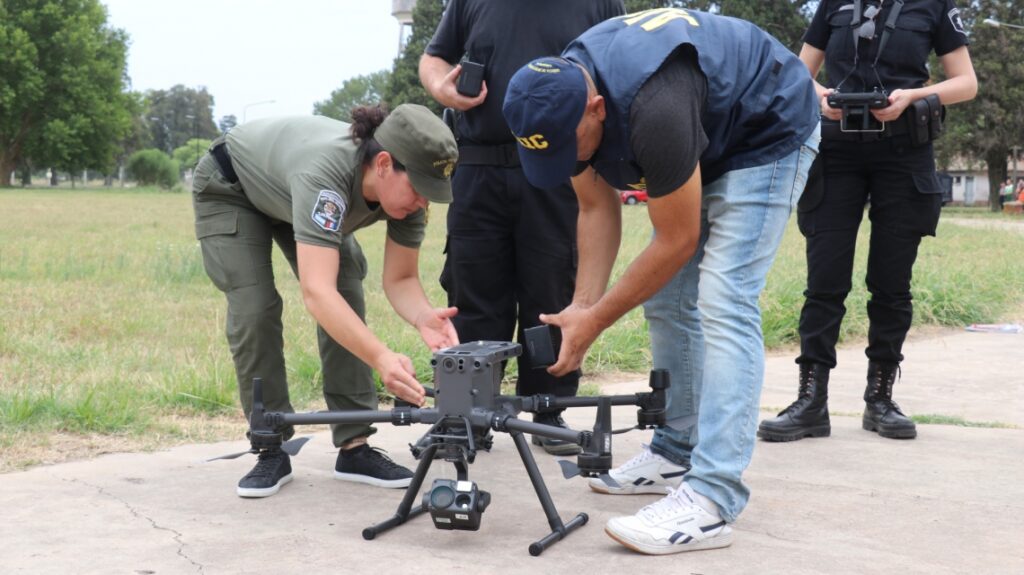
<point x="830" y="131"/>
<point x="220" y="153"/>
<point x="505" y="155"/>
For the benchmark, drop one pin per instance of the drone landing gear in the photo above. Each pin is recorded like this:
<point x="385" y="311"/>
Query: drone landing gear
<point x="406" y="511"/>
<point x="559" y="530"/>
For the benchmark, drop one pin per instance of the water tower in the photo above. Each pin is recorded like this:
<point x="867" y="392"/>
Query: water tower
<point x="402" y="11"/>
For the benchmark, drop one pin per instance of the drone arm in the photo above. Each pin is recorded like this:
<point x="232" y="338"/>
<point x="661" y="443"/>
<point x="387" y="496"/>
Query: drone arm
<point x="397" y="416"/>
<point x="506" y="422"/>
<point x="542" y="403"/>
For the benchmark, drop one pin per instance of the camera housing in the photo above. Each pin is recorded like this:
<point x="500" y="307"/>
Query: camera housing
<point x="455" y="504"/>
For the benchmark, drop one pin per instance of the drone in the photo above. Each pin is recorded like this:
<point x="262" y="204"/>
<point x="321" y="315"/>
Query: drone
<point x="468" y="406"/>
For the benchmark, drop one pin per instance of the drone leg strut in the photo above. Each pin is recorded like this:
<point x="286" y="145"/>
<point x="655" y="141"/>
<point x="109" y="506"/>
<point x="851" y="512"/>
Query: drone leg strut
<point x="559" y="530"/>
<point x="405" y="509"/>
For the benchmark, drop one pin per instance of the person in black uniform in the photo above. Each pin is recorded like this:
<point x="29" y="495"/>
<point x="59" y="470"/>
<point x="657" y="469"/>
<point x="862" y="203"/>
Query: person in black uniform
<point x="867" y="47"/>
<point x="511" y="250"/>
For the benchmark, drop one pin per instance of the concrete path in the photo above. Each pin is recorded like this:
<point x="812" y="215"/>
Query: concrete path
<point x="951" y="501"/>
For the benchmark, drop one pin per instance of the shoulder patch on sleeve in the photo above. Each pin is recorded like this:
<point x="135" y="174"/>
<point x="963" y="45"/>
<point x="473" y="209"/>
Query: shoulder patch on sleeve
<point x="329" y="210"/>
<point x="956" y="20"/>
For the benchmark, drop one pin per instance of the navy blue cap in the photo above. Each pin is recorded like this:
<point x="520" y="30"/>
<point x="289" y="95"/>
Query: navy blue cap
<point x="543" y="106"/>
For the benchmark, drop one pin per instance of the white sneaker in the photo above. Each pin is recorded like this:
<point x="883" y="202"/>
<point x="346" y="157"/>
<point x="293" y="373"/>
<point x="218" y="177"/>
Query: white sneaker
<point x="682" y="521"/>
<point x="648" y="472"/>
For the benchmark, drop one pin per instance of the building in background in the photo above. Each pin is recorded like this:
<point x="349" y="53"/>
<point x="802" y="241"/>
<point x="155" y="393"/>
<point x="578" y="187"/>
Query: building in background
<point x="402" y="11"/>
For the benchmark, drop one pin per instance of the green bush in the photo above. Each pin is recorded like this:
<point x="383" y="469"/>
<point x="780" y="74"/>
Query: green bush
<point x="189" y="154"/>
<point x="151" y="166"/>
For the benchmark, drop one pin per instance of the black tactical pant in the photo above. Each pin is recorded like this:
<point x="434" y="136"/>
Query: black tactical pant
<point x="899" y="184"/>
<point x="511" y="255"/>
<point x="236" y="241"/>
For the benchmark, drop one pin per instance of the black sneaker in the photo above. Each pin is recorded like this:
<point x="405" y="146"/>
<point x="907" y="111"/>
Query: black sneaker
<point x="273" y="470"/>
<point x="365" y="464"/>
<point x="554" y="446"/>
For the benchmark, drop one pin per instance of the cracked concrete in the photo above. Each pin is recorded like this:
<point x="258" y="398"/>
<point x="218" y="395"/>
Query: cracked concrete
<point x="947" y="502"/>
<point x="131" y="509"/>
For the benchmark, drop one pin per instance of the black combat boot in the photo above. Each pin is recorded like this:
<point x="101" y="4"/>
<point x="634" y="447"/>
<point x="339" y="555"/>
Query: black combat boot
<point x="808" y="415"/>
<point x="881" y="413"/>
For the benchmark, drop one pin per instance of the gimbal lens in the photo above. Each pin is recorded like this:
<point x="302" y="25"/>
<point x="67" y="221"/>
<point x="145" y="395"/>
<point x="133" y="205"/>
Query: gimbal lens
<point x="441" y="497"/>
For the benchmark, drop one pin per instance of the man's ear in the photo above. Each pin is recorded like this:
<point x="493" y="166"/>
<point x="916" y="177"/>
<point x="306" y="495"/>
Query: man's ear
<point x="595" y="105"/>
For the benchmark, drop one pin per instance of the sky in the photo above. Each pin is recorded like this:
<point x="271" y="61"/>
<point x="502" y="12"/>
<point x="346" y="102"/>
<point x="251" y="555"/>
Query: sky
<point x="294" y="52"/>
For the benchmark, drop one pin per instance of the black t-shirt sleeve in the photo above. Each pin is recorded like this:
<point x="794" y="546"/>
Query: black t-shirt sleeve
<point x="666" y="134"/>
<point x="818" y="32"/>
<point x="448" y="40"/>
<point x="950" y="34"/>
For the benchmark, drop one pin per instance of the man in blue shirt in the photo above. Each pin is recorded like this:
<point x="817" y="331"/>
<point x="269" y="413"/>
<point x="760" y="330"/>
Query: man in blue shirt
<point x="719" y="123"/>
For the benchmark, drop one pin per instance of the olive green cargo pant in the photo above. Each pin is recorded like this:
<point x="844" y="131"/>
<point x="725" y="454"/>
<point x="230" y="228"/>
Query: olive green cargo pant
<point x="236" y="241"/>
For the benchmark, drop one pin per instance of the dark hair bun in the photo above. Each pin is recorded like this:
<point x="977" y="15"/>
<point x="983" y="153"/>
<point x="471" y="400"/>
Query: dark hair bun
<point x="365" y="120"/>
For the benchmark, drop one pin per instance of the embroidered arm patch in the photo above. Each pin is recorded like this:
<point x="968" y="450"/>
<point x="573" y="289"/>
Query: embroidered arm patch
<point x="329" y="210"/>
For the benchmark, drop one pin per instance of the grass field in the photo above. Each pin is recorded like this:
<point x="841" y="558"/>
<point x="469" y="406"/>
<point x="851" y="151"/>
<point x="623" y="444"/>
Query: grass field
<point x="110" y="330"/>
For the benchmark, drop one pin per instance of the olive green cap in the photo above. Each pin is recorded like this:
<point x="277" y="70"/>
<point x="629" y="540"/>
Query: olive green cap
<point x="422" y="143"/>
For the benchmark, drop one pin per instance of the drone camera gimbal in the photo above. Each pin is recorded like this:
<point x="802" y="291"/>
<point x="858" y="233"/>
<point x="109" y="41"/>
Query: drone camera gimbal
<point x="468" y="405"/>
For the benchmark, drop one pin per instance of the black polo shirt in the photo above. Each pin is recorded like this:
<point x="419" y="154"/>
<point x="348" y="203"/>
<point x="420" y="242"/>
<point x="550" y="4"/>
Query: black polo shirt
<point x="504" y="35"/>
<point x="922" y="26"/>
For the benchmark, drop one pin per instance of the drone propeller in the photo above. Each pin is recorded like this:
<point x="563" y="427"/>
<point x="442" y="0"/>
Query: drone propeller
<point x="291" y="447"/>
<point x="570" y="470"/>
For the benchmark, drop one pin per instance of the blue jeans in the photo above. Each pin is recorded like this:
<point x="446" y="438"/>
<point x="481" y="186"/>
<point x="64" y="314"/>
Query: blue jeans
<point x="705" y="325"/>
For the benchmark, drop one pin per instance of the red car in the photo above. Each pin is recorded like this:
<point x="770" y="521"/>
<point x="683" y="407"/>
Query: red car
<point x="633" y="196"/>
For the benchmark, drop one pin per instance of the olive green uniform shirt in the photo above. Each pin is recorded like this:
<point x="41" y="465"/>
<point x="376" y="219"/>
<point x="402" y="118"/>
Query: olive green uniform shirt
<point x="291" y="167"/>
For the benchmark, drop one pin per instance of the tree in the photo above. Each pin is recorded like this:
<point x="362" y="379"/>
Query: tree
<point x="785" y="19"/>
<point x="227" y="122"/>
<point x="188" y="154"/>
<point x="138" y="135"/>
<point x="169" y="112"/>
<point x="62" y="75"/>
<point x="639" y="5"/>
<point x="361" y="90"/>
<point x="405" y="86"/>
<point x="988" y="127"/>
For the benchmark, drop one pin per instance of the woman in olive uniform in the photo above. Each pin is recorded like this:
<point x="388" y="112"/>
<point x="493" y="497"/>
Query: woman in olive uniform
<point x="308" y="183"/>
<point x="880" y="48"/>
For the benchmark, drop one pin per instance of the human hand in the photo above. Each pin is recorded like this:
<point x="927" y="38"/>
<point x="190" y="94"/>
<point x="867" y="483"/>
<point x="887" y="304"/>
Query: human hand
<point x="445" y="92"/>
<point x="436" y="328"/>
<point x="579" y="330"/>
<point x="399" y="377"/>
<point x="828" y="111"/>
<point x="898" y="101"/>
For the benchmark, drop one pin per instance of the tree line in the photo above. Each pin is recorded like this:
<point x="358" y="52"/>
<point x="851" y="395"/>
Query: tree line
<point x="65" y="105"/>
<point x="987" y="131"/>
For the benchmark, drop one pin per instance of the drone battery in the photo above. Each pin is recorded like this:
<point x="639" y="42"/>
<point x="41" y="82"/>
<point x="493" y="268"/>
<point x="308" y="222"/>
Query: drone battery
<point x="470" y="80"/>
<point x="543" y="342"/>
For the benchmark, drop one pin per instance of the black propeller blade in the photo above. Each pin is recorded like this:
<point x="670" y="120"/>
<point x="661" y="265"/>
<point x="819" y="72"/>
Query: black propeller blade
<point x="291" y="447"/>
<point x="570" y="470"/>
<point x="233" y="455"/>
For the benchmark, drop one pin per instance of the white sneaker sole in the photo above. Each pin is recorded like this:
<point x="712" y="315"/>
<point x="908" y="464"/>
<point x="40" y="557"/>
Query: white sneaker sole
<point x="266" y="491"/>
<point x="723" y="540"/>
<point x="386" y="483"/>
<point x="630" y="489"/>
